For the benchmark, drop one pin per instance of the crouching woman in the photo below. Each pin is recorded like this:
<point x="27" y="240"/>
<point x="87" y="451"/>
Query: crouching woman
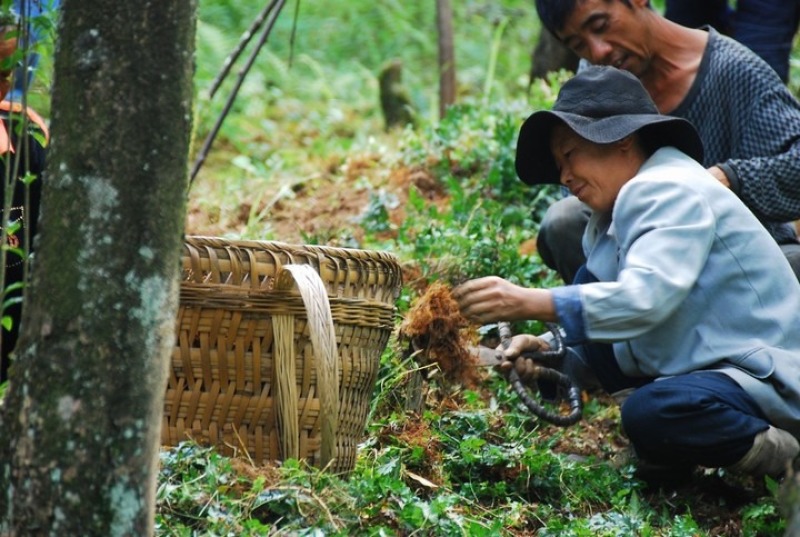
<point x="686" y="309"/>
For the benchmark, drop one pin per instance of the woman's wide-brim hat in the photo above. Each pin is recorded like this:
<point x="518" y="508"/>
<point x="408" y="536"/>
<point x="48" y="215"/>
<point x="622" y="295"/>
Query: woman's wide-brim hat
<point x="603" y="105"/>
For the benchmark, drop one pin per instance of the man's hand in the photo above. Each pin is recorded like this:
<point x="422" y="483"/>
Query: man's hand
<point x="719" y="175"/>
<point x="512" y="356"/>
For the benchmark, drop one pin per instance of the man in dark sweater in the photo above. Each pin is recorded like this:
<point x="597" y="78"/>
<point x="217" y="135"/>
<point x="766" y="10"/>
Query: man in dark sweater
<point x="749" y="122"/>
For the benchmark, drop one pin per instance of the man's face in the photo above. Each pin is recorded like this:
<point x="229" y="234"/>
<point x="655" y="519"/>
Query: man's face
<point x="608" y="32"/>
<point x="594" y="173"/>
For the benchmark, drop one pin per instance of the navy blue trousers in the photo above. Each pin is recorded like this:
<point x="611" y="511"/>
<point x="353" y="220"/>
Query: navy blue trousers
<point x="703" y="418"/>
<point x="766" y="27"/>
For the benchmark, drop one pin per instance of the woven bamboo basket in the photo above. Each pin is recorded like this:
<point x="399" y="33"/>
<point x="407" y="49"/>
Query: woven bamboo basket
<point x="278" y="348"/>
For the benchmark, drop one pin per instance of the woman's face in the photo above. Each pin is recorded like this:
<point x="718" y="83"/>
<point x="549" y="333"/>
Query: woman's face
<point x="594" y="173"/>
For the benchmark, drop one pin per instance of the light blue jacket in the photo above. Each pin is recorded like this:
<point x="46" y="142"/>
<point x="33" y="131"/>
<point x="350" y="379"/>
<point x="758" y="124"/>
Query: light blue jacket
<point x="690" y="280"/>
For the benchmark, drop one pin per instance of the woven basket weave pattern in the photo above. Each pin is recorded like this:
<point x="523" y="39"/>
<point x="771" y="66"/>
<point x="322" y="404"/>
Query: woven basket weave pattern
<point x="222" y="386"/>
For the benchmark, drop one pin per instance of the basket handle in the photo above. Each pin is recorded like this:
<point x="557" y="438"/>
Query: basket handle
<point x="323" y="342"/>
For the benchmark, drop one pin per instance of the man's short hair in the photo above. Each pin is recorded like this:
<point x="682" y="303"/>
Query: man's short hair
<point x="554" y="13"/>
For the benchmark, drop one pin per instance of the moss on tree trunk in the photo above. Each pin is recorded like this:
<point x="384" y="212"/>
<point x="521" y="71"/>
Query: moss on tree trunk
<point x="81" y="421"/>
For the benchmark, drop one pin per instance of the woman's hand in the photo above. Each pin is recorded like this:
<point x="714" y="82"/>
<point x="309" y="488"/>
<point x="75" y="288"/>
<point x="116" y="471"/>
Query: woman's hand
<point x="492" y="299"/>
<point x="512" y="356"/>
<point x="488" y="300"/>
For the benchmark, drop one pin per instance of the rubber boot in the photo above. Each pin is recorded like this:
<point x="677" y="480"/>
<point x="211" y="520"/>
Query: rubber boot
<point x="771" y="454"/>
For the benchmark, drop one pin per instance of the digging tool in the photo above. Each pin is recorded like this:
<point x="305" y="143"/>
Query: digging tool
<point x="488" y="356"/>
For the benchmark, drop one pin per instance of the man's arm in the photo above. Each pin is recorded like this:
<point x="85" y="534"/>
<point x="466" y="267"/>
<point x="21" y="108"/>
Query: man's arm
<point x="769" y="185"/>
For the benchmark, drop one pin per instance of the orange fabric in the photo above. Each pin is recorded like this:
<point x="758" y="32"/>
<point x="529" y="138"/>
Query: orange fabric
<point x="5" y="141"/>
<point x="33" y="117"/>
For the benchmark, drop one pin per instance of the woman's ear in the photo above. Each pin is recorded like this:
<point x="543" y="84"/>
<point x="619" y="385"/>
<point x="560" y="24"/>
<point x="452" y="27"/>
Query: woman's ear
<point x="627" y="143"/>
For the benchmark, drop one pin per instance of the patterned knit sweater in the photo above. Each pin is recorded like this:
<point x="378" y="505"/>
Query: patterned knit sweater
<point x="750" y="126"/>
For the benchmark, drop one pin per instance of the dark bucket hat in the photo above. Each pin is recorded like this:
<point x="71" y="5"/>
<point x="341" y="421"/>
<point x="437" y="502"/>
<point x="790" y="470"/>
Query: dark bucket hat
<point x="603" y="105"/>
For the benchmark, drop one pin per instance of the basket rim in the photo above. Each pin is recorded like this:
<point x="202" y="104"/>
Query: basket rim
<point x="271" y="244"/>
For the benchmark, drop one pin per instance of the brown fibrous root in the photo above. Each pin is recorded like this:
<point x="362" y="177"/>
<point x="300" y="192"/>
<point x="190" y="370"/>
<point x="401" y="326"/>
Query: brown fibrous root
<point x="440" y="335"/>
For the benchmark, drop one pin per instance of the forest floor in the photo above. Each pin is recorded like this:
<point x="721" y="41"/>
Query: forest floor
<point x="323" y="205"/>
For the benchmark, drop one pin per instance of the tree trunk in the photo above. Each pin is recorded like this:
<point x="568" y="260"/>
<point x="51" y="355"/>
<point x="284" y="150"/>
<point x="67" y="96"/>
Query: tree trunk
<point x="447" y="57"/>
<point x="81" y="422"/>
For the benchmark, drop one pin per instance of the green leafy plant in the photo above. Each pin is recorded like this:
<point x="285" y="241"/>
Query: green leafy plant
<point x="471" y="462"/>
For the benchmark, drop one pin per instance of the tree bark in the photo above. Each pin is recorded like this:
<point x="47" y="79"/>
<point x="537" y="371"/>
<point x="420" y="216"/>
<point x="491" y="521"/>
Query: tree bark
<point x="447" y="57"/>
<point x="80" y="425"/>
